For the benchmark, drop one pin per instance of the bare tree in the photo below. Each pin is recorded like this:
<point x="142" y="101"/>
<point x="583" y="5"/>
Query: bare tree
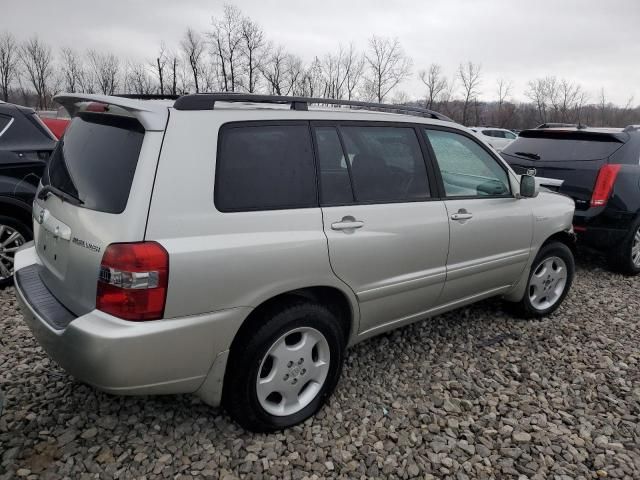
<point x="602" y="106"/>
<point x="37" y="59"/>
<point x="537" y="92"/>
<point x="435" y="82"/>
<point x="9" y="57"/>
<point x="73" y="70"/>
<point x="193" y="46"/>
<point x="253" y="47"/>
<point x="387" y="66"/>
<point x="106" y="71"/>
<point x="159" y="67"/>
<point x="305" y="81"/>
<point x="226" y="42"/>
<point x="283" y="72"/>
<point x="505" y="112"/>
<point x="138" y="80"/>
<point x="354" y="67"/>
<point x="469" y="75"/>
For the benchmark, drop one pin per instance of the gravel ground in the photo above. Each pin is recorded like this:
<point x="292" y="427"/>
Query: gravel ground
<point x="469" y="395"/>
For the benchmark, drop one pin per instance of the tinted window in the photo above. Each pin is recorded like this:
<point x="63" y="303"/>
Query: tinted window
<point x="488" y="133"/>
<point x="96" y="159"/>
<point x="335" y="186"/>
<point x="265" y="167"/>
<point x="467" y="169"/>
<point x="557" y="147"/>
<point x="386" y="164"/>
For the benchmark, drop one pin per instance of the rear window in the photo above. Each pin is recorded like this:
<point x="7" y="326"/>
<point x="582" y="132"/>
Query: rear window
<point x="557" y="147"/>
<point x="265" y="167"/>
<point x="96" y="159"/>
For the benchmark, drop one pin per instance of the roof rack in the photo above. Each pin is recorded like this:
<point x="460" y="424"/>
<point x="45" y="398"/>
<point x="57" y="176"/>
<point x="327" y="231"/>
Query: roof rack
<point x="147" y="96"/>
<point x="579" y="126"/>
<point x="207" y="101"/>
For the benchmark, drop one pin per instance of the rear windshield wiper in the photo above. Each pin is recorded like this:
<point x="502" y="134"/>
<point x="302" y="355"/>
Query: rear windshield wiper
<point x="50" y="189"/>
<point x="533" y="156"/>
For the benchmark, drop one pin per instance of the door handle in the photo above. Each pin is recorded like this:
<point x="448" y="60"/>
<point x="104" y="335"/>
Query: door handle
<point x="461" y="215"/>
<point x="347" y="223"/>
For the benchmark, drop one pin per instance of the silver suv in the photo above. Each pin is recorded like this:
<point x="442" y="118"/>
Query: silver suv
<point x="233" y="245"/>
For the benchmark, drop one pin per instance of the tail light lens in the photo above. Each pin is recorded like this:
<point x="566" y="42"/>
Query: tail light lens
<point x="133" y="281"/>
<point x="604" y="184"/>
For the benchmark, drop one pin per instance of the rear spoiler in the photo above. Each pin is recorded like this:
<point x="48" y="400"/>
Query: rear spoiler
<point x="152" y="114"/>
<point x="570" y="134"/>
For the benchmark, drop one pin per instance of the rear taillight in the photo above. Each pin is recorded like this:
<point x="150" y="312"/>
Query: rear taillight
<point x="604" y="184"/>
<point x="133" y="281"/>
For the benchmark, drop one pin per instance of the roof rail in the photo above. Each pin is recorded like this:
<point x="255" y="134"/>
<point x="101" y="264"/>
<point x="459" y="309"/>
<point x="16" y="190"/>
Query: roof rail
<point x="207" y="101"/>
<point x="147" y="96"/>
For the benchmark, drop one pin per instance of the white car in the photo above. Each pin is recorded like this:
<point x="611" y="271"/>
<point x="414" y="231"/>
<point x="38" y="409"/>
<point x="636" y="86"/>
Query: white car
<point x="498" y="138"/>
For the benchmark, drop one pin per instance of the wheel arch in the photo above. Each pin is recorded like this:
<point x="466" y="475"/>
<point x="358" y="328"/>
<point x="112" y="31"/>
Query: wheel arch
<point x="340" y="303"/>
<point x="14" y="208"/>
<point x="565" y="237"/>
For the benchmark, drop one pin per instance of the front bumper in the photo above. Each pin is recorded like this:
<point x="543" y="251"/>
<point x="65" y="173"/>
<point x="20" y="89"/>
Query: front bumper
<point x="117" y="356"/>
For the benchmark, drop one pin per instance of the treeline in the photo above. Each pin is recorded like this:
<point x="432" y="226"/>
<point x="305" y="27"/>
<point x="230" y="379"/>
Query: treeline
<point x="236" y="55"/>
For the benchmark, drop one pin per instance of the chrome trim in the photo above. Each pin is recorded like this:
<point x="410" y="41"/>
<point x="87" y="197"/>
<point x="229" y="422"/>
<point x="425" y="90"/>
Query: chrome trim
<point x="7" y="126"/>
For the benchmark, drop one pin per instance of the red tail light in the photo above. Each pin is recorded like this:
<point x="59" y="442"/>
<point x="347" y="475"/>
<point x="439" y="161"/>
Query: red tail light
<point x="133" y="281"/>
<point x="604" y="184"/>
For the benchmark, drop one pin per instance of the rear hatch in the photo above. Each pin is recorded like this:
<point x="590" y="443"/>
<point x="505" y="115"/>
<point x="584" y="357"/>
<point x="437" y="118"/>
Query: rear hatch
<point x="572" y="156"/>
<point x="96" y="191"/>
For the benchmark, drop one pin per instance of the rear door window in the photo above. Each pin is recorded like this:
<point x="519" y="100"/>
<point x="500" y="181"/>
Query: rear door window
<point x="335" y="184"/>
<point x="467" y="169"/>
<point x="96" y="159"/>
<point x="386" y="164"/>
<point x="264" y="167"/>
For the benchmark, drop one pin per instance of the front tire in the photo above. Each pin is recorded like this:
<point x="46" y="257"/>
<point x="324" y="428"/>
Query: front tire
<point x="626" y="258"/>
<point x="549" y="281"/>
<point x="281" y="372"/>
<point x="13" y="234"/>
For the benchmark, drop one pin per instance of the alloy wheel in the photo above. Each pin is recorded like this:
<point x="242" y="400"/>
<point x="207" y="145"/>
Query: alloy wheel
<point x="635" y="249"/>
<point x="10" y="241"/>
<point x="293" y="371"/>
<point x="547" y="283"/>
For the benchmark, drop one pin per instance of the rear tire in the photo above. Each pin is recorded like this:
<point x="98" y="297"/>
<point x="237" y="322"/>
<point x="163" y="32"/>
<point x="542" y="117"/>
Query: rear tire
<point x="13" y="234"/>
<point x="281" y="372"/>
<point x="549" y="281"/>
<point x="626" y="258"/>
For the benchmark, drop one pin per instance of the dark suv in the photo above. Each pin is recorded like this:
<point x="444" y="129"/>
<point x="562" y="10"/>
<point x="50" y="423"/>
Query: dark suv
<point x="25" y="146"/>
<point x="600" y="169"/>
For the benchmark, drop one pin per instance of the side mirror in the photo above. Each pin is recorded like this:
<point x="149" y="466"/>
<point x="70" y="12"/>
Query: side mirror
<point x="528" y="186"/>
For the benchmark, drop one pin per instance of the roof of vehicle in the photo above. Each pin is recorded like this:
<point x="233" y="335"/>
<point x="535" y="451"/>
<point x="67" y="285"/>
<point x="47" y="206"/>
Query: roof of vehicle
<point x="152" y="110"/>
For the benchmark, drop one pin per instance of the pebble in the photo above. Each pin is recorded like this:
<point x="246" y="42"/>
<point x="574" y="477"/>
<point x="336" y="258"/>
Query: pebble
<point x="472" y="394"/>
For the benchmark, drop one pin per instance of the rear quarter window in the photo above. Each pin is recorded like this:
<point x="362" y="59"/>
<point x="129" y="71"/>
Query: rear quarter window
<point x="264" y="167"/>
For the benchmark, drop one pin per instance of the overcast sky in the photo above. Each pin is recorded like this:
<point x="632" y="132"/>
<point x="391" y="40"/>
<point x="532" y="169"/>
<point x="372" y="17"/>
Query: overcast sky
<point x="593" y="42"/>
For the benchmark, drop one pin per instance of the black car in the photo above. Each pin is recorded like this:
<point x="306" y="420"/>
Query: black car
<point x="600" y="169"/>
<point x="25" y="146"/>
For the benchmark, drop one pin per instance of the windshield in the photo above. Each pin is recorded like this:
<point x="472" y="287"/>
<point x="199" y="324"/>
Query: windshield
<point x="96" y="159"/>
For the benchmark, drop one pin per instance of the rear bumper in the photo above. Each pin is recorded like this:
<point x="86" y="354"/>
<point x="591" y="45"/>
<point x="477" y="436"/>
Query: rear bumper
<point x="131" y="358"/>
<point x="602" y="228"/>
